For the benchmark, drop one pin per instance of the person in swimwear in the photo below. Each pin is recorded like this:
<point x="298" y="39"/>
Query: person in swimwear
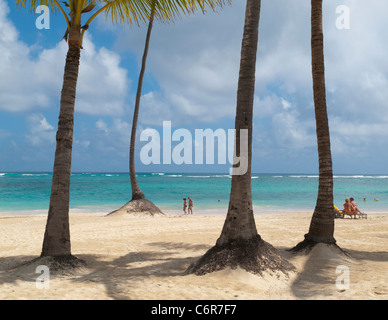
<point x="184" y="205"/>
<point x="354" y="206"/>
<point x="348" y="208"/>
<point x="190" y="206"/>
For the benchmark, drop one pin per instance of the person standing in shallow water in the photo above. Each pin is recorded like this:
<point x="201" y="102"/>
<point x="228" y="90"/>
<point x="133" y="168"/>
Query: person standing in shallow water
<point x="184" y="205"/>
<point x="190" y="206"/>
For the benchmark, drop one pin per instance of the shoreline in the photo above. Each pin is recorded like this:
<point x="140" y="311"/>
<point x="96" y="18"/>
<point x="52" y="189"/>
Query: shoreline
<point x="270" y="192"/>
<point x="175" y="212"/>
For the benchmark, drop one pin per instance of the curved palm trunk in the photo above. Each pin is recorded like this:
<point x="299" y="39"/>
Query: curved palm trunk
<point x="138" y="204"/>
<point x="136" y="191"/>
<point x="322" y="222"/>
<point x="239" y="244"/>
<point x="56" y="240"/>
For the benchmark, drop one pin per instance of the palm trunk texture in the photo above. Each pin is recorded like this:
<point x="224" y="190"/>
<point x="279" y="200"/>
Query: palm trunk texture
<point x="57" y="234"/>
<point x="322" y="223"/>
<point x="239" y="244"/>
<point x="240" y="222"/>
<point x="138" y="204"/>
<point x="136" y="191"/>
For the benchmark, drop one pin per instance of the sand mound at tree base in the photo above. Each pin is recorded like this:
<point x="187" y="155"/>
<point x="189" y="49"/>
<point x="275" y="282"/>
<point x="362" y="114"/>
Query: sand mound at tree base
<point x="253" y="255"/>
<point x="50" y="265"/>
<point x="140" y="207"/>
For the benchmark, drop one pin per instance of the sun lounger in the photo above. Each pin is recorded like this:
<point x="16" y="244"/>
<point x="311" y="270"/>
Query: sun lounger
<point x="338" y="214"/>
<point x="341" y="214"/>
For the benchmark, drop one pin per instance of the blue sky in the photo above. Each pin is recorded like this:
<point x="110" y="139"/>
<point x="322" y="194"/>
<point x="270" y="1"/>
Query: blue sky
<point x="191" y="80"/>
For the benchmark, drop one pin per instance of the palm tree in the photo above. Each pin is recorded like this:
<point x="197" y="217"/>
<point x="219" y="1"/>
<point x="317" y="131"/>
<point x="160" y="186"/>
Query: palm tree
<point x="239" y="243"/>
<point x="56" y="242"/>
<point x="139" y="203"/>
<point x="322" y="223"/>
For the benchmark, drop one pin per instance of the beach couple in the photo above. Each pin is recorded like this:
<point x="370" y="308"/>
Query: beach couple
<point x="190" y="210"/>
<point x="350" y="207"/>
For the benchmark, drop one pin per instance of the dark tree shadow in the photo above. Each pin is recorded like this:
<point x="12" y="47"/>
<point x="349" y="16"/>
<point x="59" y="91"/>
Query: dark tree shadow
<point x="319" y="276"/>
<point x="129" y="270"/>
<point x="113" y="274"/>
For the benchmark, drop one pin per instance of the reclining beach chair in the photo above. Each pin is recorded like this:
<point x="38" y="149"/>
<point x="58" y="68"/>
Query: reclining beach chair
<point x="338" y="213"/>
<point x="363" y="215"/>
<point x="341" y="214"/>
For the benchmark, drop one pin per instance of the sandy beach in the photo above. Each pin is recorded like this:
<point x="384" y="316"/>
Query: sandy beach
<point x="145" y="258"/>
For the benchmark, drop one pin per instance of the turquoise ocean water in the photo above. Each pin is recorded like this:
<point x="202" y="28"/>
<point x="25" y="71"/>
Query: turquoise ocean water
<point x="104" y="192"/>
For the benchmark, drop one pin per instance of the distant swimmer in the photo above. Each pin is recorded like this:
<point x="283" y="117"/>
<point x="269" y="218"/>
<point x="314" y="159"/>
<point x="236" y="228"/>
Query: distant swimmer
<point x="364" y="199"/>
<point x="376" y="199"/>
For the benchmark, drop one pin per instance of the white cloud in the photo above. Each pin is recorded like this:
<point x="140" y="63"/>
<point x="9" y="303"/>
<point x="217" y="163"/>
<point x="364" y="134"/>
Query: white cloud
<point x="20" y="76"/>
<point x="35" y="83"/>
<point x="103" y="85"/>
<point x="102" y="126"/>
<point x="83" y="143"/>
<point x="267" y="106"/>
<point x="40" y="131"/>
<point x="115" y="137"/>
<point x="196" y="63"/>
<point x="194" y="66"/>
<point x="291" y="132"/>
<point x="121" y="129"/>
<point x="286" y="105"/>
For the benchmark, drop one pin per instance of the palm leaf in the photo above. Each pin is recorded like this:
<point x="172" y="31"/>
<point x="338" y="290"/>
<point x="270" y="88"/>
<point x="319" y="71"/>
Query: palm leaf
<point x="32" y="4"/>
<point x="52" y="4"/>
<point x="131" y="11"/>
<point x="212" y="4"/>
<point x="136" y="11"/>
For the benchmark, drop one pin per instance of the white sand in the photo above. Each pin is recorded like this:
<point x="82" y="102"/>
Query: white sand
<point x="146" y="258"/>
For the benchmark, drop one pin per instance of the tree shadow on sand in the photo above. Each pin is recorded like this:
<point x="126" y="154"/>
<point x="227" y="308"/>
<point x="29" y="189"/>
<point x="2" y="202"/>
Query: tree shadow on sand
<point x="130" y="269"/>
<point x="117" y="275"/>
<point x="319" y="276"/>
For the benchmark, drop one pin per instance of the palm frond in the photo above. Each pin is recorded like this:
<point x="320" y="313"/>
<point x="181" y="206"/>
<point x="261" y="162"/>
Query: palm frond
<point x="53" y="5"/>
<point x="31" y="5"/>
<point x="212" y="4"/>
<point x="136" y="11"/>
<point x="130" y="11"/>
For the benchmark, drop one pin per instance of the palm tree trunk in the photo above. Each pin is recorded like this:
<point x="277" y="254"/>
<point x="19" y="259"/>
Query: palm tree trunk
<point x="239" y="221"/>
<point x="136" y="191"/>
<point x="138" y="204"/>
<point x="322" y="222"/>
<point x="239" y="244"/>
<point x="57" y="234"/>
